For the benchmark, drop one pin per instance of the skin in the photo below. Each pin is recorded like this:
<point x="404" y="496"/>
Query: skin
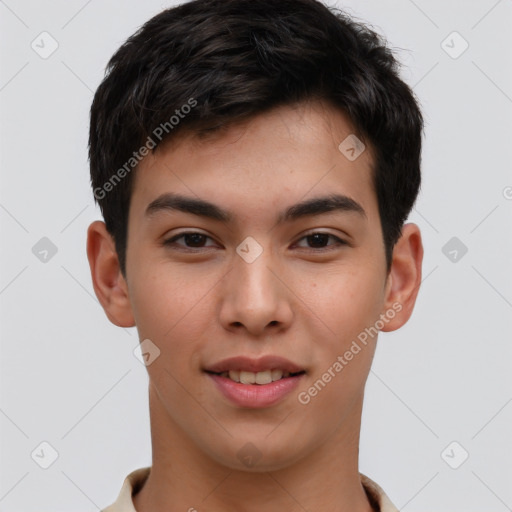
<point x="298" y="300"/>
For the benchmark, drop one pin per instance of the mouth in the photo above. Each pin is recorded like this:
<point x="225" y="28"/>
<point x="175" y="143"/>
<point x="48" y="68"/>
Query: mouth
<point x="258" y="378"/>
<point x="255" y="383"/>
<point x="263" y="370"/>
<point x="259" y="394"/>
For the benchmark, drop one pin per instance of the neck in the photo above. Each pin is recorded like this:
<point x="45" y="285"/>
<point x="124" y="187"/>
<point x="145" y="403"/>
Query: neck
<point x="184" y="478"/>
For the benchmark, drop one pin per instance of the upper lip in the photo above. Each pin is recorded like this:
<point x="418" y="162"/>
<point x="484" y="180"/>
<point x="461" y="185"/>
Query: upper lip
<point x="254" y="365"/>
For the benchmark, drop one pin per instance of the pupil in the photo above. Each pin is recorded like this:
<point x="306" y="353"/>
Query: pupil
<point x="196" y="238"/>
<point x="318" y="237"/>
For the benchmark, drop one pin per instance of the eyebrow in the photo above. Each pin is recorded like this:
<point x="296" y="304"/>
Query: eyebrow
<point x="202" y="208"/>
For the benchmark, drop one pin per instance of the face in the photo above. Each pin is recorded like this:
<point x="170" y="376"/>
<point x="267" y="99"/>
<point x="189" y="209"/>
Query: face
<point x="257" y="254"/>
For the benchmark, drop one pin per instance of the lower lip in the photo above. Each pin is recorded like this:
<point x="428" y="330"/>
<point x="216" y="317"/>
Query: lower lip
<point x="256" y="396"/>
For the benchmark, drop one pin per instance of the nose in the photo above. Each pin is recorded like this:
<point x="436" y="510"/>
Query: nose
<point x="256" y="297"/>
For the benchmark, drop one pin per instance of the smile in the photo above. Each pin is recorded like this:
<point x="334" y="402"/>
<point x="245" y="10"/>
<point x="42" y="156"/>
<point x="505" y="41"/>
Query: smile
<point x="261" y="378"/>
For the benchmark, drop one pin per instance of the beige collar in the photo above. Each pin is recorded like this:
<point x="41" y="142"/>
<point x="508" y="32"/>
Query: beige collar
<point x="135" y="480"/>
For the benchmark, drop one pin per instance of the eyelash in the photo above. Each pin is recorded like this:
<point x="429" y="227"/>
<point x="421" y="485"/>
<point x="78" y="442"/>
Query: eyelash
<point x="171" y="241"/>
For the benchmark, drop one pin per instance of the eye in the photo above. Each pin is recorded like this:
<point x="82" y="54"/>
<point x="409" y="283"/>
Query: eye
<point x="193" y="239"/>
<point x="318" y="239"/>
<point x="196" y="240"/>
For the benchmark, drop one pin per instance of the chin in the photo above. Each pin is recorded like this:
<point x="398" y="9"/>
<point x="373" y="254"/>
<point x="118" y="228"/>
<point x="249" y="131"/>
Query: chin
<point x="259" y="454"/>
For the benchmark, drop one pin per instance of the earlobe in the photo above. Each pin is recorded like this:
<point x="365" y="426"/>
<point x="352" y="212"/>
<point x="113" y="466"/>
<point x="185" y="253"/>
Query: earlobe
<point x="108" y="282"/>
<point x="405" y="277"/>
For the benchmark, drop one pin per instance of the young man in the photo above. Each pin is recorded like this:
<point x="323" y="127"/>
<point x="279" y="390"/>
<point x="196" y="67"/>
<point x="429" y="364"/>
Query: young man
<point x="255" y="162"/>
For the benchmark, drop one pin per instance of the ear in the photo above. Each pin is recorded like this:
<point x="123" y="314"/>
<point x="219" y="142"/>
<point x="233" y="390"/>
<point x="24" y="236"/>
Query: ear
<point x="108" y="282"/>
<point x="404" y="278"/>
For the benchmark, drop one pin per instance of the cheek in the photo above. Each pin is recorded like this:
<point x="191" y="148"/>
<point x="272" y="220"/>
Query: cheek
<point x="173" y="311"/>
<point x="349" y="306"/>
<point x="346" y="302"/>
<point x="161" y="297"/>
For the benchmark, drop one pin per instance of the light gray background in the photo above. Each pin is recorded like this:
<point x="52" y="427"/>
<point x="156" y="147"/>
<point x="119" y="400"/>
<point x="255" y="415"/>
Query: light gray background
<point x="70" y="378"/>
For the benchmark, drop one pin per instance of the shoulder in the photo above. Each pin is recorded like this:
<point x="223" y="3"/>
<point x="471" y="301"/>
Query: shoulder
<point x="132" y="483"/>
<point x="378" y="498"/>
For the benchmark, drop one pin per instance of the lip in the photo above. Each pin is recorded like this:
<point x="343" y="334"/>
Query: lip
<point x="254" y="365"/>
<point x="256" y="396"/>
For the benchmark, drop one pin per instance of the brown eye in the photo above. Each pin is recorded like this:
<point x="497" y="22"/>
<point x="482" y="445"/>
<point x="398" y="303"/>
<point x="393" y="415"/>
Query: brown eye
<point x="319" y="240"/>
<point x="192" y="239"/>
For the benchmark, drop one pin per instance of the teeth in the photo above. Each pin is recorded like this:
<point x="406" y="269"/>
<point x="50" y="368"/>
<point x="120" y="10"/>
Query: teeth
<point x="277" y="374"/>
<point x="234" y="375"/>
<point x="247" y="377"/>
<point x="265" y="377"/>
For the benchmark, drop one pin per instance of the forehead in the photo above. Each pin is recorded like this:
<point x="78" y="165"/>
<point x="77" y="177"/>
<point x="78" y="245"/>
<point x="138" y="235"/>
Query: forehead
<point x="290" y="152"/>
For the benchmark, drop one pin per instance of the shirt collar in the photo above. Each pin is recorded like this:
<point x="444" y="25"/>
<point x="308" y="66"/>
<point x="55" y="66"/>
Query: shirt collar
<point x="135" y="480"/>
